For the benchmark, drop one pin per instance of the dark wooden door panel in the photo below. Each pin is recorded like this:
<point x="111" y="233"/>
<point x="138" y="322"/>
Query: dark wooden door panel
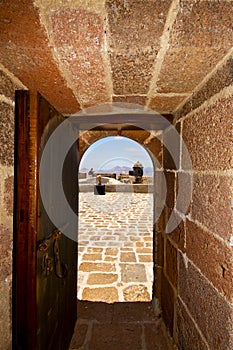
<point x="44" y="301"/>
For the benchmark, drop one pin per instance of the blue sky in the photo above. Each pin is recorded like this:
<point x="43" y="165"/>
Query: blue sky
<point x="115" y="150"/>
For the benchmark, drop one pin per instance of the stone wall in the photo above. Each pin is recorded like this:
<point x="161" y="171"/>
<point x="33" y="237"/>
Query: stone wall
<point x="8" y="85"/>
<point x="196" y="287"/>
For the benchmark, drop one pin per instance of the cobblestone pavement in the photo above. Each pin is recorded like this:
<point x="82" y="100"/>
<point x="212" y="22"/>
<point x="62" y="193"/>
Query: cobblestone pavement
<point x="115" y="247"/>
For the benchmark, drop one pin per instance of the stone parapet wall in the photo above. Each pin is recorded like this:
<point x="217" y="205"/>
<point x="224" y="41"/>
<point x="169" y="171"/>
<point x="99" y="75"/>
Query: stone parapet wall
<point x="135" y="188"/>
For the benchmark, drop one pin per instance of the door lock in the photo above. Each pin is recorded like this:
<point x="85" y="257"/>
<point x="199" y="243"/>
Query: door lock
<point x="52" y="263"/>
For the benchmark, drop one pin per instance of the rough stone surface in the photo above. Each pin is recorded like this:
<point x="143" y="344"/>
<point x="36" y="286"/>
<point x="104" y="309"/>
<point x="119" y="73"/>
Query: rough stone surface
<point x="201" y="33"/>
<point x="133" y="273"/>
<point x="6" y="238"/>
<point x="7" y="134"/>
<point x="136" y="293"/>
<point x="101" y="278"/>
<point x="211" y="204"/>
<point x="107" y="295"/>
<point x="212" y="257"/>
<point x="165" y="103"/>
<point x="9" y="195"/>
<point x="208" y="136"/>
<point x="208" y="308"/>
<point x="79" y="39"/>
<point x="30" y="58"/>
<point x="128" y="257"/>
<point x="7" y="87"/>
<point x="167" y="303"/>
<point x="171" y="263"/>
<point x="188" y="335"/>
<point x="5" y="313"/>
<point x="102" y="267"/>
<point x="223" y="77"/>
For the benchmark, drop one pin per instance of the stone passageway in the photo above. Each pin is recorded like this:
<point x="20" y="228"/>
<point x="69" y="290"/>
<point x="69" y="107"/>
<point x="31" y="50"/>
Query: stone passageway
<point x="115" y="275"/>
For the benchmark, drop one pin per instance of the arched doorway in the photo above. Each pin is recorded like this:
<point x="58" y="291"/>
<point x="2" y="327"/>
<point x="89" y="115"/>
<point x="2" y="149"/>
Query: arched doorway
<point x="115" y="235"/>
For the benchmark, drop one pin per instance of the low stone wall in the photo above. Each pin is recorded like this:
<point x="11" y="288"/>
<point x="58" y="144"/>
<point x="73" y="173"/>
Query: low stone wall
<point x="136" y="188"/>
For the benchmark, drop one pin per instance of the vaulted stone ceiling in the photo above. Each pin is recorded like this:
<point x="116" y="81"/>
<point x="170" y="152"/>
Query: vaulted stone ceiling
<point x="81" y="53"/>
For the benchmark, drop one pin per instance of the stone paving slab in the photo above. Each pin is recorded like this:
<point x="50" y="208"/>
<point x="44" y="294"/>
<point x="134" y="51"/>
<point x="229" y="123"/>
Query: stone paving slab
<point x="115" y="245"/>
<point x="124" y="326"/>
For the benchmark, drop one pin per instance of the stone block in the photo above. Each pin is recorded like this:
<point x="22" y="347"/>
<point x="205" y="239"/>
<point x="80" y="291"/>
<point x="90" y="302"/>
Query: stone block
<point x="78" y="37"/>
<point x="7" y="87"/>
<point x="113" y="337"/>
<point x="133" y="273"/>
<point x="211" y="312"/>
<point x="167" y="303"/>
<point x="155" y="146"/>
<point x="188" y="335"/>
<point x="171" y="263"/>
<point x="212" y="257"/>
<point x="198" y="25"/>
<point x="9" y="194"/>
<point x="136" y="293"/>
<point x="134" y="25"/>
<point x="101" y="278"/>
<point x="138" y="135"/>
<point x="6" y="239"/>
<point x="79" y="336"/>
<point x="208" y="134"/>
<point x="7" y="134"/>
<point x="220" y="79"/>
<point x="168" y="104"/>
<point x="30" y="58"/>
<point x="211" y="203"/>
<point x="100" y="267"/>
<point x="132" y="71"/>
<point x="128" y="257"/>
<point x="155" y="337"/>
<point x="170" y="181"/>
<point x="134" y="99"/>
<point x="104" y="294"/>
<point x="178" y="234"/>
<point x="171" y="148"/>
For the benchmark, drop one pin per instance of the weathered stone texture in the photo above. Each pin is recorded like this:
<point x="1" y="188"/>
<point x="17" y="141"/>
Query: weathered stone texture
<point x="7" y="134"/>
<point x="188" y="335"/>
<point x="25" y="52"/>
<point x="6" y="238"/>
<point x="7" y="87"/>
<point x="199" y="38"/>
<point x="138" y="136"/>
<point x="208" y="308"/>
<point x="171" y="263"/>
<point x="211" y="204"/>
<point x="165" y="103"/>
<point x="9" y="195"/>
<point x="135" y="31"/>
<point x="208" y="136"/>
<point x="178" y="235"/>
<point x="79" y="40"/>
<point x="212" y="257"/>
<point x="220" y="79"/>
<point x="134" y="100"/>
<point x="5" y="316"/>
<point x="107" y="294"/>
<point x="167" y="303"/>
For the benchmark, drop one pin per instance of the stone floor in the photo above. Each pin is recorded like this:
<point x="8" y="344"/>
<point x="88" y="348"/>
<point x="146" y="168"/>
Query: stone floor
<point x="119" y="326"/>
<point x="115" y="275"/>
<point x="115" y="247"/>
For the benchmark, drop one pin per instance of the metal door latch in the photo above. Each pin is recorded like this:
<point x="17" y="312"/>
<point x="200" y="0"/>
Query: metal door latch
<point x="49" y="264"/>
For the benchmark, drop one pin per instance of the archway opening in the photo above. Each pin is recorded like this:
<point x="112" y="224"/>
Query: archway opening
<point x="115" y="236"/>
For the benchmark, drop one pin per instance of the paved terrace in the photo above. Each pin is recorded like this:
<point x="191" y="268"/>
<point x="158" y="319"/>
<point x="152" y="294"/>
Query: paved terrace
<point x="115" y="247"/>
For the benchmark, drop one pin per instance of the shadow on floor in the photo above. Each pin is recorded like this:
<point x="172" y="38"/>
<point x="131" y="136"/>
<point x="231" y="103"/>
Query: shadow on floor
<point x="119" y="326"/>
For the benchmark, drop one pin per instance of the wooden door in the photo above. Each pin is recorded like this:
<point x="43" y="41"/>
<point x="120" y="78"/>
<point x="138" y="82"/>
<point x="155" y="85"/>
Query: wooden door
<point x="45" y="259"/>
